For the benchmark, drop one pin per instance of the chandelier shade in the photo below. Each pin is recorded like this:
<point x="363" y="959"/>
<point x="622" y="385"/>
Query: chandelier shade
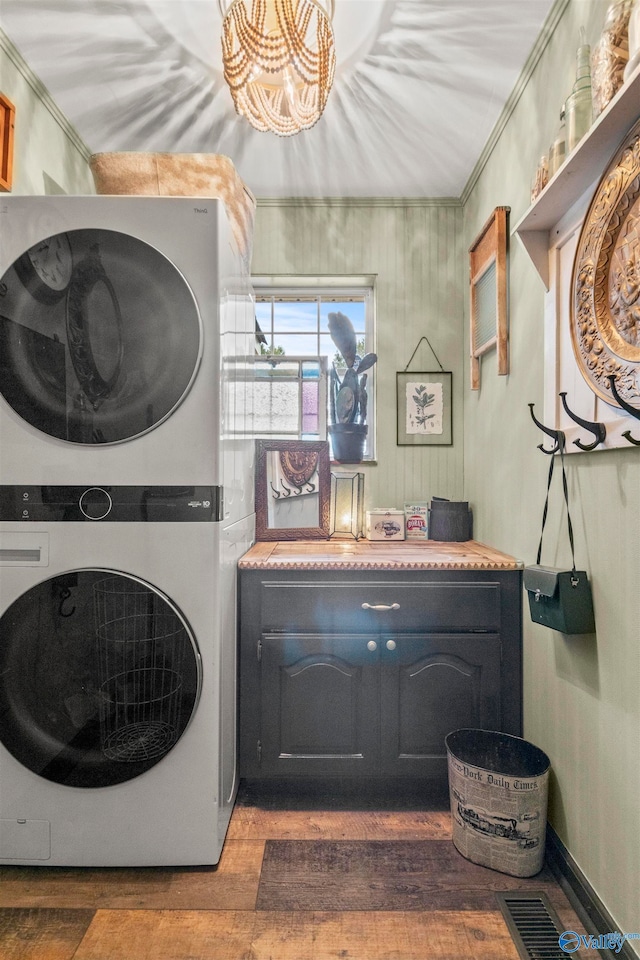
<point x="279" y="61"/>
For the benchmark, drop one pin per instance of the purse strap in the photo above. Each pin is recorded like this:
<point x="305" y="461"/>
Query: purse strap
<point x="574" y="576"/>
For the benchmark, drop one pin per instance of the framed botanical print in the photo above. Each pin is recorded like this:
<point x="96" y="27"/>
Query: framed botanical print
<point x="424" y="408"/>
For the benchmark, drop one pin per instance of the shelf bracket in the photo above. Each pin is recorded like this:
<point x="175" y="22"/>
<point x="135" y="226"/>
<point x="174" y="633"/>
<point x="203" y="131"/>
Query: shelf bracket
<point x="536" y="243"/>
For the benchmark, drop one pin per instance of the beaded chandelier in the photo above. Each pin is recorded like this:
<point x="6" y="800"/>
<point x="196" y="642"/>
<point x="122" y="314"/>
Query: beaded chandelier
<point x="279" y="61"/>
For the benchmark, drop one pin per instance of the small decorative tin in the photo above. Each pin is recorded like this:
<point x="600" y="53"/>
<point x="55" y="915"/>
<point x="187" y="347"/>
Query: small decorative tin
<point x="385" y="524"/>
<point x="416" y="516"/>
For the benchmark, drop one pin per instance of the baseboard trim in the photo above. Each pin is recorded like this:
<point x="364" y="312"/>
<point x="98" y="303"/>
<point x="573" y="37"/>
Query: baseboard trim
<point x="583" y="898"/>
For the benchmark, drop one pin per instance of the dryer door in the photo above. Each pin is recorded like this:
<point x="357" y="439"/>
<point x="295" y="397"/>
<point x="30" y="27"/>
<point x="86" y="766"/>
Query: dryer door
<point x="100" y="675"/>
<point x="100" y="336"/>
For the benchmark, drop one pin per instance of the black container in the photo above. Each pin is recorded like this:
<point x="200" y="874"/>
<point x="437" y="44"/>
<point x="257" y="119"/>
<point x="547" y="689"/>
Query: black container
<point x="450" y="520"/>
<point x="347" y="441"/>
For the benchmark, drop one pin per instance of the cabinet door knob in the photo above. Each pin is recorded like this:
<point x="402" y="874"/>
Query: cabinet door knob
<point x="391" y="644"/>
<point x="372" y="645"/>
<point x="380" y="606"/>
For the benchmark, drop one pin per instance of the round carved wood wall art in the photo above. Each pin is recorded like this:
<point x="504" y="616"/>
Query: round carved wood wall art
<point x="605" y="303"/>
<point x="298" y="466"/>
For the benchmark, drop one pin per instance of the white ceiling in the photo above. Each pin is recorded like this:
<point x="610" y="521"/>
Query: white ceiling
<point x="418" y="89"/>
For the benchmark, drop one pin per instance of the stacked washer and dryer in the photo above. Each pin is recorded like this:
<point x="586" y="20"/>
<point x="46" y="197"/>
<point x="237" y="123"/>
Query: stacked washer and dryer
<point x="126" y="499"/>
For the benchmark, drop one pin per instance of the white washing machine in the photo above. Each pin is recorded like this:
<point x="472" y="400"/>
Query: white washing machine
<point x="126" y="498"/>
<point x="117" y="682"/>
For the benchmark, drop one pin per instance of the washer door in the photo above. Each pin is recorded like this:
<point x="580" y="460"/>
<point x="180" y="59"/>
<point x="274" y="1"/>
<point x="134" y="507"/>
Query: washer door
<point x="100" y="336"/>
<point x="100" y="675"/>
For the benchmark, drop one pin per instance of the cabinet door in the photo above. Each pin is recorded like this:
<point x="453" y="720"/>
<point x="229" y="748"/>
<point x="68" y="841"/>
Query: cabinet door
<point x="319" y="705"/>
<point x="431" y="685"/>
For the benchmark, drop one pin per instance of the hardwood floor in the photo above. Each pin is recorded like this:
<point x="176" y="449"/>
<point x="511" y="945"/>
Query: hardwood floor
<point x="299" y="879"/>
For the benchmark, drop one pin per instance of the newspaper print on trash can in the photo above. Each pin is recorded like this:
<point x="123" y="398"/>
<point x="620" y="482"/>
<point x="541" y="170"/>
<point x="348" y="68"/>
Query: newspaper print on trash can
<point x="498" y="821"/>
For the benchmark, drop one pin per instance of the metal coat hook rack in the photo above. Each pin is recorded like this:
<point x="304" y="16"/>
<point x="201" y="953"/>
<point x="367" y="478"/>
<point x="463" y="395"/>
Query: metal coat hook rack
<point x="634" y="411"/>
<point x="556" y="435"/>
<point x="598" y="430"/>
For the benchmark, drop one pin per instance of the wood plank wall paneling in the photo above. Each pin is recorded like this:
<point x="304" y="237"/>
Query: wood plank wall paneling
<point x="414" y="248"/>
<point x="581" y="701"/>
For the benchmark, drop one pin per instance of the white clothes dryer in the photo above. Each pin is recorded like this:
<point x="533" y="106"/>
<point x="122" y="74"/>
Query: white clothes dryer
<point x="120" y="319"/>
<point x="117" y="675"/>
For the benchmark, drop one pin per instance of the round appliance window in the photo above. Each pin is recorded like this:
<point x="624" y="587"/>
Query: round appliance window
<point x="100" y="675"/>
<point x="100" y="335"/>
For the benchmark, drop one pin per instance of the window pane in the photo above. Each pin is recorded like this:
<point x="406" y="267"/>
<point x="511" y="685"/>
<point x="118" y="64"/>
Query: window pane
<point x="288" y="398"/>
<point x="296" y="317"/>
<point x="276" y="409"/>
<point x="310" y="410"/>
<point x="263" y="317"/>
<point x="354" y="309"/>
<point x="328" y="348"/>
<point x="299" y="346"/>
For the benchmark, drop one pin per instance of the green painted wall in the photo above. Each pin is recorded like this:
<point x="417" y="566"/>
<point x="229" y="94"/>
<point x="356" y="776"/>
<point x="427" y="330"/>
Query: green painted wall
<point x="582" y="694"/>
<point x="49" y="156"/>
<point x="414" y="250"/>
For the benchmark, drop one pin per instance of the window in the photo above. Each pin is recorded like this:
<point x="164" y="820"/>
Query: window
<point x="293" y="316"/>
<point x="289" y="397"/>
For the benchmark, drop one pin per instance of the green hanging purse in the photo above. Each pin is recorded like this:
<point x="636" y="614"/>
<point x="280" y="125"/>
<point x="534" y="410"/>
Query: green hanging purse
<point x="559" y="598"/>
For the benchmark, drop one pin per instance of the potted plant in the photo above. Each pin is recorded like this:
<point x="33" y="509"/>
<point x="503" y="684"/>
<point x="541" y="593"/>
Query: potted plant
<point x="348" y="395"/>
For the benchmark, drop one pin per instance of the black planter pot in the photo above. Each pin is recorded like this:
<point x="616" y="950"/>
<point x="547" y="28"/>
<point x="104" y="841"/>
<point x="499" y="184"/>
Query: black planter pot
<point x="347" y="441"/>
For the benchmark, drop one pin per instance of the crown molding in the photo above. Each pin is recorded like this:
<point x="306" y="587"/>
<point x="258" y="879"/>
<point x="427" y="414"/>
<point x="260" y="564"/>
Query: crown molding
<point x="548" y="29"/>
<point x="359" y="202"/>
<point x="11" y="51"/>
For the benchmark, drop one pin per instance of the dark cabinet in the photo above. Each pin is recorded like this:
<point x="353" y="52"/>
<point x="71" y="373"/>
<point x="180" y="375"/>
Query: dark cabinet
<point x="318" y="706"/>
<point x="362" y="674"/>
<point x="430" y="686"/>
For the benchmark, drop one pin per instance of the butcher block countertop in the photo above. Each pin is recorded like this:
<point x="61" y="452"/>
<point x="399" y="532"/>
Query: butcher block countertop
<point x="375" y="555"/>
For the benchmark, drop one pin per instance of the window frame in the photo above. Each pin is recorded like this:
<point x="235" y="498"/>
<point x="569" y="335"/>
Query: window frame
<point x="327" y="289"/>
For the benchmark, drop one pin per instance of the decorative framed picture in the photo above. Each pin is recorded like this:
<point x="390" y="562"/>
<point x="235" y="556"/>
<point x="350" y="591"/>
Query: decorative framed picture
<point x="293" y="484"/>
<point x="424" y="403"/>
<point x="7" y="124"/>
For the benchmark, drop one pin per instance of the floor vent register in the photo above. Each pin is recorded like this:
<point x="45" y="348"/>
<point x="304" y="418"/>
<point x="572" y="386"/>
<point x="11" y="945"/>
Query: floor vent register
<point x="534" y="925"/>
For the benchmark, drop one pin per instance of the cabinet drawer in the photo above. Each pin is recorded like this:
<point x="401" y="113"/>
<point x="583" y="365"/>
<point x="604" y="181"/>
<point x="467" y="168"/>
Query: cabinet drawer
<point x="378" y="606"/>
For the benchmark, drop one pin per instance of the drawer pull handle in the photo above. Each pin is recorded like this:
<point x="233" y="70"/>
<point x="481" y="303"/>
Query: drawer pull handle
<point x="372" y="645"/>
<point x="381" y="606"/>
<point x="391" y="644"/>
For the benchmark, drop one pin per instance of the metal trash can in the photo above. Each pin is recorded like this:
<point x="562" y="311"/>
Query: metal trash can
<point x="498" y="787"/>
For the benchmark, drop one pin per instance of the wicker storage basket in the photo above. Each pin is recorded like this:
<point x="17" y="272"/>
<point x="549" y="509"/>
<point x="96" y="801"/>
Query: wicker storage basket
<point x="180" y="175"/>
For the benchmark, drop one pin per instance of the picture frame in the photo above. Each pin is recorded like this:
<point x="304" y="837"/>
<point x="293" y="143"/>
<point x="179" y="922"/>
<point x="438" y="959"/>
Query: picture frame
<point x="293" y="486"/>
<point x="489" y="294"/>
<point x="7" y="126"/>
<point x="424" y="408"/>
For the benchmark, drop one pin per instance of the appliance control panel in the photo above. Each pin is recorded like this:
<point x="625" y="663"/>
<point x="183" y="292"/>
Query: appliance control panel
<point x="136" y="504"/>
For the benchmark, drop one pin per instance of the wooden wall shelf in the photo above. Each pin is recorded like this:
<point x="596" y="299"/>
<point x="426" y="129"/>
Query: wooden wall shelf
<point x="581" y="170"/>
